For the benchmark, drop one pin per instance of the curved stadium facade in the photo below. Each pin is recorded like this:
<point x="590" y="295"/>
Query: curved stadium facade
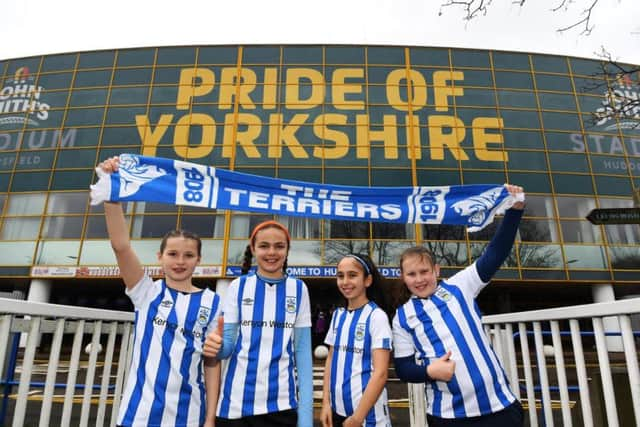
<point x="356" y="115"/>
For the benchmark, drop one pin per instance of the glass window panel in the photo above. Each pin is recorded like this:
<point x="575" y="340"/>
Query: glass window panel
<point x="334" y="250"/>
<point x="520" y="119"/>
<point x="574" y="207"/>
<point x="86" y="137"/>
<point x="344" y="55"/>
<point x="140" y="76"/>
<point x="116" y="135"/>
<point x="26" y="204"/>
<point x="17" y="253"/>
<point x="152" y="226"/>
<point x="580" y="257"/>
<point x="470" y="58"/>
<point x="580" y="232"/>
<point x="565" y="141"/>
<point x="236" y="250"/>
<point x="564" y="121"/>
<point x="212" y="251"/>
<point x="540" y="256"/>
<point x="572" y="184"/>
<point x="475" y="78"/>
<point x="386" y="230"/>
<point x="611" y="165"/>
<point x="585" y="67"/>
<point x="58" y="62"/>
<point x="152" y="207"/>
<point x="304" y="252"/>
<point x="615" y="203"/>
<point x="480" y="97"/>
<point x="96" y="59"/>
<point x="348" y="229"/>
<point x="429" y="57"/>
<point x="566" y="162"/>
<point x="385" y="55"/>
<point x="147" y="250"/>
<point x="556" y="64"/>
<point x="539" y="206"/>
<point x="557" y="101"/>
<point x="538" y="230"/>
<point x="432" y="232"/>
<point x="176" y="55"/>
<point x="97" y="252"/>
<point x="302" y="54"/>
<point x="164" y="94"/>
<point x="124" y="115"/>
<point x="388" y="253"/>
<point x="261" y="55"/>
<point x="532" y="182"/>
<point x="218" y="55"/>
<point x="92" y="78"/>
<point x="20" y="228"/>
<point x="169" y="75"/>
<point x="3" y="198"/>
<point x="517" y="99"/>
<point x="613" y="186"/>
<point x="58" y="253"/>
<point x="132" y="57"/>
<point x="202" y="225"/>
<point x="129" y="95"/>
<point x="522" y="139"/>
<point x="88" y="97"/>
<point x="300" y="227"/>
<point x="76" y="158"/>
<point x="63" y="203"/>
<point x="510" y="60"/>
<point x="55" y="80"/>
<point x="84" y="116"/>
<point x="62" y="227"/>
<point x="506" y="79"/>
<point x="448" y="253"/>
<point x="532" y="160"/>
<point x="35" y="160"/>
<point x="71" y="180"/>
<point x="553" y="82"/>
<point x="624" y="257"/>
<point x="96" y="227"/>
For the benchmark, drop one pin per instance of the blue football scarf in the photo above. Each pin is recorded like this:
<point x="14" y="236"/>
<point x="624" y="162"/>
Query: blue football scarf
<point x="155" y="179"/>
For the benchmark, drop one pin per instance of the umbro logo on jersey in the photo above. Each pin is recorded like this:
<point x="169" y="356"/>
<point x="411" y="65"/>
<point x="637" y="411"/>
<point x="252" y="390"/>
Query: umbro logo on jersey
<point x="247" y="301"/>
<point x="166" y="303"/>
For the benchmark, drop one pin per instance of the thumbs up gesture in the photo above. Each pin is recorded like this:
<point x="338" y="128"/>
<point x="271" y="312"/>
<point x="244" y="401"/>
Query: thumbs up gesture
<point x="213" y="342"/>
<point x="442" y="369"/>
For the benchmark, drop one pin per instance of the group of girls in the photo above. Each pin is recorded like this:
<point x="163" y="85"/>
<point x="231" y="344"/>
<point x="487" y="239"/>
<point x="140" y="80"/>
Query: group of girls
<point x="261" y="329"/>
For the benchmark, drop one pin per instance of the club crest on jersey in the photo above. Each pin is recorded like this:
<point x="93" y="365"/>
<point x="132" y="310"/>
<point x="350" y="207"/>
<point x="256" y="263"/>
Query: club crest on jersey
<point x="203" y="315"/>
<point x="360" y="330"/>
<point x="443" y="294"/>
<point x="291" y="304"/>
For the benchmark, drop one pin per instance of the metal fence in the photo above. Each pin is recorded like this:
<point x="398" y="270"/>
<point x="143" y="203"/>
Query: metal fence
<point x="568" y="366"/>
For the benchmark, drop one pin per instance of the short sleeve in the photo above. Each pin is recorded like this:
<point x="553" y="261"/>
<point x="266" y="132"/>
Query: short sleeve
<point x="468" y="281"/>
<point x="143" y="291"/>
<point x="330" y="339"/>
<point x="380" y="330"/>
<point x="402" y="340"/>
<point x="303" y="319"/>
<point x="230" y="303"/>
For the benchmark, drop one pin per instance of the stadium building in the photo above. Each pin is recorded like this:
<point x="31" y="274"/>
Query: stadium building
<point x="345" y="115"/>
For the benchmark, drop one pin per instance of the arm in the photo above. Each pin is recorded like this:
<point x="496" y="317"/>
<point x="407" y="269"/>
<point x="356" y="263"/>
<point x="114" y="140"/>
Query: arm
<point x="212" y="385"/>
<point x="500" y="245"/>
<point x="221" y="342"/>
<point x="128" y="262"/>
<point x="441" y="369"/>
<point x="326" y="413"/>
<point x="304" y="366"/>
<point x="374" y="388"/>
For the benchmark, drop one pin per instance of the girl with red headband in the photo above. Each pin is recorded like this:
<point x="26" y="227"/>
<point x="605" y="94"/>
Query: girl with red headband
<point x="267" y="379"/>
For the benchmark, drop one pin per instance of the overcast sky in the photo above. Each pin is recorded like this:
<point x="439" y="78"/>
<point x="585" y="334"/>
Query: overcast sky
<point x="33" y="27"/>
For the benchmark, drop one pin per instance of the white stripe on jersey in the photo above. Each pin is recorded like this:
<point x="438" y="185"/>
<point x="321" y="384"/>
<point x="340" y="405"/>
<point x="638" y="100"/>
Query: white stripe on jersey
<point x="165" y="386"/>
<point x="354" y="335"/>
<point x="259" y="376"/>
<point x="450" y="320"/>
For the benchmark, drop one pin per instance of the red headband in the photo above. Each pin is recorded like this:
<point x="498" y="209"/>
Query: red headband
<point x="267" y="224"/>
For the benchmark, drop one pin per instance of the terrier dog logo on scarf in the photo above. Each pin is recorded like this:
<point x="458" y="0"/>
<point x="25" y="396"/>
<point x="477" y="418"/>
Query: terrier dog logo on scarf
<point x="476" y="207"/>
<point x="134" y="175"/>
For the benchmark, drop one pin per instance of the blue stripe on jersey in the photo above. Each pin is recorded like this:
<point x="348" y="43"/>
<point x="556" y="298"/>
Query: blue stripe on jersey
<point x="439" y="349"/>
<point x="291" y="349"/>
<point x="145" y="346"/>
<point x="185" y="390"/>
<point x="473" y="328"/>
<point x="348" y="362"/>
<point x="458" y="335"/>
<point x="164" y="367"/>
<point x="233" y="361"/>
<point x="386" y="344"/>
<point x="253" y="355"/>
<point x="334" y="361"/>
<point x="276" y="349"/>
<point x="367" y="355"/>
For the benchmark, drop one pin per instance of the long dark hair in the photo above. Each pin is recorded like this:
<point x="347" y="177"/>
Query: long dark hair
<point x="248" y="254"/>
<point x="375" y="292"/>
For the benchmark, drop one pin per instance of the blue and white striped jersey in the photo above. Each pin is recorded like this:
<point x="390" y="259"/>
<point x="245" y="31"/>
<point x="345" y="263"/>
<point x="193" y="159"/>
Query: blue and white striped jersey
<point x="259" y="376"/>
<point x="354" y="335"/>
<point x="165" y="383"/>
<point x="451" y="320"/>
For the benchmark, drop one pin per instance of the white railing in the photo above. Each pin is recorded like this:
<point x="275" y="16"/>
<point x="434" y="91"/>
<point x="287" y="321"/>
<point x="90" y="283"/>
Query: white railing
<point x="552" y="392"/>
<point x="560" y="363"/>
<point x="64" y="328"/>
